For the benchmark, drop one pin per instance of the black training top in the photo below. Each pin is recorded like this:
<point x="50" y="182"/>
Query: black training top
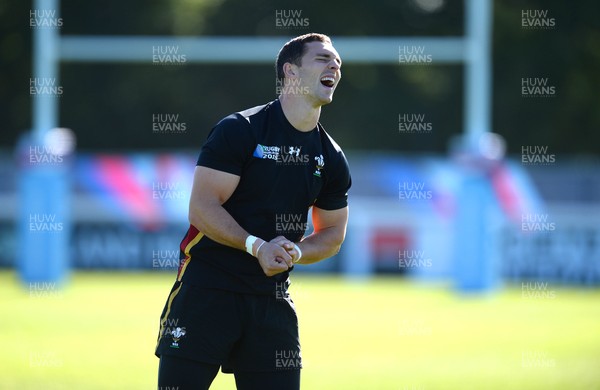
<point x="283" y="172"/>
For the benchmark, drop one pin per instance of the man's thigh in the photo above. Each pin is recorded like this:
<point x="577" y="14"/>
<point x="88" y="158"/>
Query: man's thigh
<point x="274" y="380"/>
<point x="270" y="340"/>
<point x="183" y="374"/>
<point x="199" y="324"/>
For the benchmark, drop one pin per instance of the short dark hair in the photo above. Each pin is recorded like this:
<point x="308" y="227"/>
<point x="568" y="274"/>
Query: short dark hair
<point x="294" y="49"/>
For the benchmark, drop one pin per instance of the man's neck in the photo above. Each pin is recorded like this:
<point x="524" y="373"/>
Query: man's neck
<point x="300" y="113"/>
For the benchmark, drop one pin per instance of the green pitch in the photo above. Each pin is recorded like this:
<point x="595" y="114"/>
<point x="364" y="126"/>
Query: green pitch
<point x="99" y="333"/>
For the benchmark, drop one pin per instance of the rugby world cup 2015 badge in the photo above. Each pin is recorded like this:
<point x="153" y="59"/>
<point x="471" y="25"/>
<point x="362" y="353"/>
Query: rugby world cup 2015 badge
<point x="177" y="333"/>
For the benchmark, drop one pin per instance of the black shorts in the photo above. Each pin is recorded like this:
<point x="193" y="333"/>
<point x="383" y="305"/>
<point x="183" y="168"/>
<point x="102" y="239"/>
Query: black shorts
<point x="237" y="331"/>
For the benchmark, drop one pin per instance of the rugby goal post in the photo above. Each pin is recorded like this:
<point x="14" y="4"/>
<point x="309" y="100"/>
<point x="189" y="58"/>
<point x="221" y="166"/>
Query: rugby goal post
<point x="50" y="49"/>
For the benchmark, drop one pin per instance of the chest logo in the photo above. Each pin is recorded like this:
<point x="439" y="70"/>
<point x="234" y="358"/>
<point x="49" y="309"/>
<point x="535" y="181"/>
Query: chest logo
<point x="291" y="155"/>
<point x="282" y="155"/>
<point x="294" y="151"/>
<point x="319" y="166"/>
<point x="267" y="152"/>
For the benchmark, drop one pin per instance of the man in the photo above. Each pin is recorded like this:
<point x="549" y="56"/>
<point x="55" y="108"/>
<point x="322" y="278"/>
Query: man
<point x="257" y="176"/>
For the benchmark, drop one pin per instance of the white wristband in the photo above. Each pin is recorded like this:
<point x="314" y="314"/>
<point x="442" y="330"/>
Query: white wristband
<point x="299" y="253"/>
<point x="250" y="240"/>
<point x="257" y="249"/>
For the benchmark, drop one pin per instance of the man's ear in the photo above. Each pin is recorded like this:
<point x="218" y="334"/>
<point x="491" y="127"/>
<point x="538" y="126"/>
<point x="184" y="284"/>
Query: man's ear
<point x="290" y="70"/>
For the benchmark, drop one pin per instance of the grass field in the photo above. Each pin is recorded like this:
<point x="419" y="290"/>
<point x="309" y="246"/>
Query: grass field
<point x="99" y="332"/>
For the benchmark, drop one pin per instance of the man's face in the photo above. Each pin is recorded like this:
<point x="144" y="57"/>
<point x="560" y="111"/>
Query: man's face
<point x="320" y="72"/>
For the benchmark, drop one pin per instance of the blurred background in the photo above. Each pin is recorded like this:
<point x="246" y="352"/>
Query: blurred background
<point x="496" y="217"/>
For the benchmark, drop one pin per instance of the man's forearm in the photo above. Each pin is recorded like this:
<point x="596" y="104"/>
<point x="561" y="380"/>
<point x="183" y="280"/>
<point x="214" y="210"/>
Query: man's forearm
<point x="213" y="220"/>
<point x="321" y="245"/>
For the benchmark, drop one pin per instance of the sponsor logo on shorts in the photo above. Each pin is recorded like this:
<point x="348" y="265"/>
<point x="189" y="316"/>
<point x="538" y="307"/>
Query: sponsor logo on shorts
<point x="177" y="334"/>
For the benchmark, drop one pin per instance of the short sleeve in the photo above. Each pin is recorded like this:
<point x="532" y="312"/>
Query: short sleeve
<point x="334" y="194"/>
<point x="228" y="146"/>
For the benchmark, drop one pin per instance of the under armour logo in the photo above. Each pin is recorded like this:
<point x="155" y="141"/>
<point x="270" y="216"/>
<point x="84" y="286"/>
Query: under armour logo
<point x="294" y="150"/>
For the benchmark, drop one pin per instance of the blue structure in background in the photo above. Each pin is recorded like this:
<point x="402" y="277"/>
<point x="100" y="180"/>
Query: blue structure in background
<point x="478" y="212"/>
<point x="472" y="269"/>
<point x="473" y="263"/>
<point x="44" y="222"/>
<point x="475" y="267"/>
<point x="44" y="215"/>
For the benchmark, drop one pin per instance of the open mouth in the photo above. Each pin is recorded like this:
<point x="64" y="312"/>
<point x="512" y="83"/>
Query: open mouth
<point x="328" y="81"/>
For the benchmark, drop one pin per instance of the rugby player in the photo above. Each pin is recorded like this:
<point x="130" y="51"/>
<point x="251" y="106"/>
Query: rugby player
<point x="259" y="173"/>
